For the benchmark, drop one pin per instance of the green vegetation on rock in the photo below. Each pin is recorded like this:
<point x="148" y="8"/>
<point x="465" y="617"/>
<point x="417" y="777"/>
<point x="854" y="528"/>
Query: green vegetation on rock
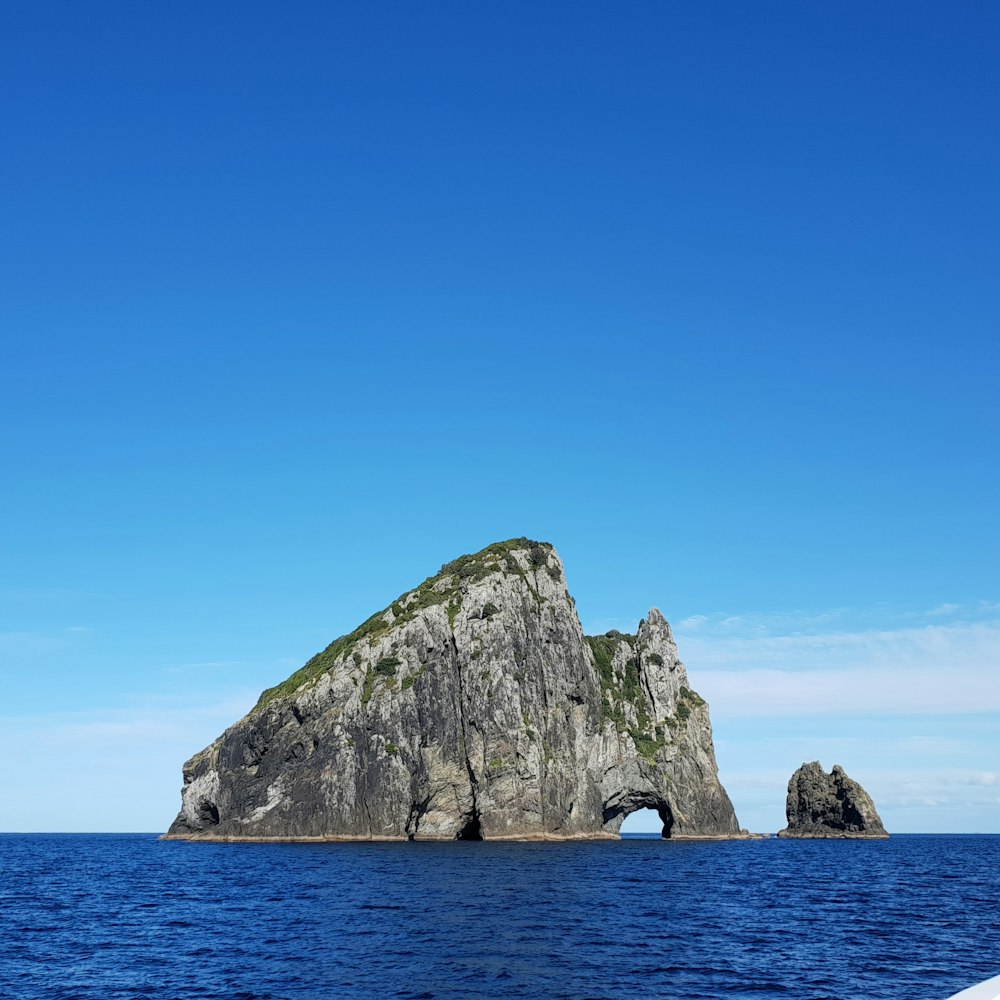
<point x="603" y="647"/>
<point x="692" y="697"/>
<point x="369" y="685"/>
<point x="520" y="727"/>
<point x="410" y="679"/>
<point x="479" y="565"/>
<point x="442" y="588"/>
<point x="538" y="555"/>
<point x="617" y="690"/>
<point x="688" y="700"/>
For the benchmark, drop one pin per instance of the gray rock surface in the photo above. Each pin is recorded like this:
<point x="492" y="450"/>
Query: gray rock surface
<point x="472" y="707"/>
<point x="829" y="805"/>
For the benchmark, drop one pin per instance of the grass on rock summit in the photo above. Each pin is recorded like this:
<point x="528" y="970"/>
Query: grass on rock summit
<point x="445" y="587"/>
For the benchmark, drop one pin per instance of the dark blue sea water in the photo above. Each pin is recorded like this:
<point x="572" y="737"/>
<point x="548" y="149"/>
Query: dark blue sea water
<point x="115" y="916"/>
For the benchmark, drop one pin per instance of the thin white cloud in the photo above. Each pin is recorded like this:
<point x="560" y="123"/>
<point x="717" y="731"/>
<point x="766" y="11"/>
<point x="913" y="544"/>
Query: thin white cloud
<point x="797" y="621"/>
<point x="752" y="667"/>
<point x="892" y="703"/>
<point x="109" y="769"/>
<point x="689" y="624"/>
<point x="871" y="689"/>
<point x="150" y="719"/>
<point x="945" y="609"/>
<point x="987" y="779"/>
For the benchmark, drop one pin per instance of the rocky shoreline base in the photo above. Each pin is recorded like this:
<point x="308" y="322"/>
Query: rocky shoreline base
<point x="510" y="838"/>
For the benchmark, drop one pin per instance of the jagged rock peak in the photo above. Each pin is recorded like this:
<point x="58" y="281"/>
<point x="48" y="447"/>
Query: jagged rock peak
<point x="472" y="707"/>
<point x="829" y="805"/>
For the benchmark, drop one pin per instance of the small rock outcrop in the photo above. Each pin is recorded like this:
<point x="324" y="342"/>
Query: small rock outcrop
<point x="473" y="707"/>
<point x="829" y="805"/>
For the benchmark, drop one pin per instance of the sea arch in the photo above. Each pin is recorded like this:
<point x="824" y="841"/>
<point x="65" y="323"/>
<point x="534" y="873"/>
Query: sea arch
<point x="616" y="811"/>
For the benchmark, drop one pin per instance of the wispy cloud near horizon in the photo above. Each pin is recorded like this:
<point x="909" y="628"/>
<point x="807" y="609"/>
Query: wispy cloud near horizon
<point x="757" y="666"/>
<point x="113" y="768"/>
<point x="911" y="708"/>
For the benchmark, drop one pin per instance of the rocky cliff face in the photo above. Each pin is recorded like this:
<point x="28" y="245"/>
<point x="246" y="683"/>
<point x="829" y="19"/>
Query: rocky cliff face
<point x="472" y="707"/>
<point x="829" y="805"/>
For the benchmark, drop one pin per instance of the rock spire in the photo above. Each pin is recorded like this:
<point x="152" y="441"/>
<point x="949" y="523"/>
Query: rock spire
<point x="829" y="805"/>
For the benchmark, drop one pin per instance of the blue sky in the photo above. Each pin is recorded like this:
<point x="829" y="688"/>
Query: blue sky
<point x="297" y="304"/>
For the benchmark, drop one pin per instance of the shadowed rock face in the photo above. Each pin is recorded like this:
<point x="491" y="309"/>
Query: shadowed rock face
<point x="829" y="805"/>
<point x="472" y="708"/>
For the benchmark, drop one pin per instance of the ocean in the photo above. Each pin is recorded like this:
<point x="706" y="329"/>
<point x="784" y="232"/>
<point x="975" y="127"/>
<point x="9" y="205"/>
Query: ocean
<point x="129" y="916"/>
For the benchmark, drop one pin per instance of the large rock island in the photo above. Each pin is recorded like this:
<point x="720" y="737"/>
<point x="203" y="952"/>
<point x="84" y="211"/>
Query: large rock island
<point x="473" y="707"/>
<point x="829" y="805"/>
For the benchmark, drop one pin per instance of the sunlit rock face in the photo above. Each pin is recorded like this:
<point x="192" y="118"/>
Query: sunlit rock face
<point x="829" y="805"/>
<point x="472" y="707"/>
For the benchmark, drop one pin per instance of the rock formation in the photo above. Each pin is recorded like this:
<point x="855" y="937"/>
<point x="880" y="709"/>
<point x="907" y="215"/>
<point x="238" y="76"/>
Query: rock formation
<point x="829" y="805"/>
<point x="473" y="707"/>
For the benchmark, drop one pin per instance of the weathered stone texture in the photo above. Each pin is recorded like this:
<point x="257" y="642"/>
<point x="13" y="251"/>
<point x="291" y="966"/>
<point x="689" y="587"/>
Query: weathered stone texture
<point x="829" y="805"/>
<point x="473" y="706"/>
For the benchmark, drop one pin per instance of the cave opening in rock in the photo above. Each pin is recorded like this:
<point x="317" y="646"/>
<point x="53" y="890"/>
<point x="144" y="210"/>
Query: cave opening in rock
<point x="208" y="813"/>
<point x="648" y="822"/>
<point x="471" y="831"/>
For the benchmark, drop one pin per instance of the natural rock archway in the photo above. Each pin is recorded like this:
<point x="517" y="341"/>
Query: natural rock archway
<point x="662" y="811"/>
<point x="472" y="707"/>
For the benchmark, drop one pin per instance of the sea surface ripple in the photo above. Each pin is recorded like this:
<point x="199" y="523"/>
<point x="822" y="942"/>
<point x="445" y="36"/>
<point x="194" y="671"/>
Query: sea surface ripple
<point x="128" y="916"/>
